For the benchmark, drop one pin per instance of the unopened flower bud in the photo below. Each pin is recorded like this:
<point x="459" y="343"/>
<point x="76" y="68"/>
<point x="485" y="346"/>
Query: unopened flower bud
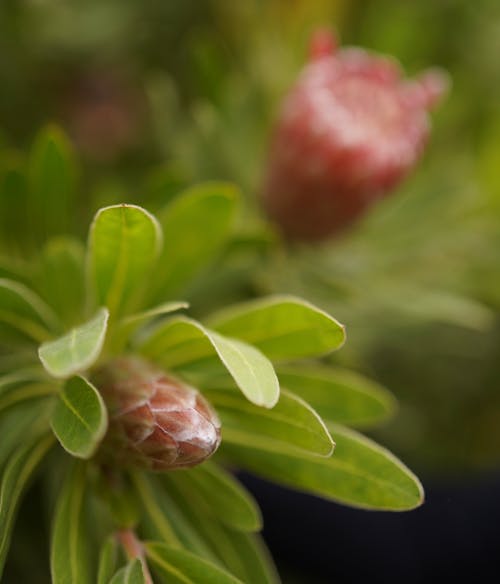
<point x="155" y="420"/>
<point x="349" y="131"/>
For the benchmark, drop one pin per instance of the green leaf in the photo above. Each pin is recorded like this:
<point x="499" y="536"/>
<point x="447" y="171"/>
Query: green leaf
<point x="282" y="327"/>
<point x="292" y="424"/>
<point x="80" y="418"/>
<point x="77" y="350"/>
<point x="196" y="225"/>
<point x="339" y="395"/>
<point x="52" y="177"/>
<point x="23" y="310"/>
<point x="124" y="243"/>
<point x="132" y="573"/>
<point x="28" y="391"/>
<point x="68" y="555"/>
<point x="360" y="473"/>
<point x="108" y="559"/>
<point x="243" y="554"/>
<point x="182" y="567"/>
<point x="16" y="475"/>
<point x="181" y="341"/>
<point x="224" y="497"/>
<point x="60" y="277"/>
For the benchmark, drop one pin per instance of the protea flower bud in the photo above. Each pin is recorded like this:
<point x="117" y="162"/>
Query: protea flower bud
<point x="349" y="131"/>
<point x="156" y="421"/>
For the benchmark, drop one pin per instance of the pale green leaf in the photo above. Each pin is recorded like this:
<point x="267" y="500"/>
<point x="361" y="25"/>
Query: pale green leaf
<point x="124" y="243"/>
<point x="292" y="424"/>
<point x="181" y="341"/>
<point x="68" y="555"/>
<point x="22" y="310"/>
<point x="196" y="225"/>
<point x="80" y="418"/>
<point x="282" y="327"/>
<point x="77" y="350"/>
<point x="182" y="567"/>
<point x="223" y="496"/>
<point x="108" y="559"/>
<point x="339" y="395"/>
<point x="132" y="573"/>
<point x="360" y="473"/>
<point x="15" y="477"/>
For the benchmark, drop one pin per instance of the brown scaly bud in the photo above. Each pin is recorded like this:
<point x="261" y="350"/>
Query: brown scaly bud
<point x="155" y="420"/>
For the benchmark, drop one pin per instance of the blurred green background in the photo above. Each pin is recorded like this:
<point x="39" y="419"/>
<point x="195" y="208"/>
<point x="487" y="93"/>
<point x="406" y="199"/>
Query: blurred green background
<point x="157" y="95"/>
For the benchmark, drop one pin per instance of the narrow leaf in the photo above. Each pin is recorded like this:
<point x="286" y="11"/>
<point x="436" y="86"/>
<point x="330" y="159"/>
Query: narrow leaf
<point x="182" y="341"/>
<point x="182" y="567"/>
<point x="223" y="496"/>
<point x="132" y="573"/>
<point x="124" y="243"/>
<point x="196" y="225"/>
<point x="282" y="327"/>
<point x="68" y="554"/>
<point x="80" y="418"/>
<point x="360" y="473"/>
<point x="27" y="392"/>
<point x="77" y="350"/>
<point x="339" y="395"/>
<point x="108" y="559"/>
<point x="16" y="475"/>
<point x="292" y="424"/>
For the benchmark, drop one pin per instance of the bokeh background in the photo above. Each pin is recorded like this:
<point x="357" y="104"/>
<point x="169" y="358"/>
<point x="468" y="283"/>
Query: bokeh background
<point x="157" y="95"/>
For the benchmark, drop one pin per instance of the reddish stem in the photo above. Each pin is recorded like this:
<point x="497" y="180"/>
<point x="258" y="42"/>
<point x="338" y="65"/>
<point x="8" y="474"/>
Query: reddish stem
<point x="134" y="549"/>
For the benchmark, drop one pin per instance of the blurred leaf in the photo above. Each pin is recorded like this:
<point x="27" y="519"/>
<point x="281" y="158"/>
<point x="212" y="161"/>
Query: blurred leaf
<point x="68" y="555"/>
<point x="52" y="177"/>
<point x="80" y="418"/>
<point x="76" y="350"/>
<point x="108" y="559"/>
<point x="339" y="395"/>
<point x="196" y="226"/>
<point x="132" y="573"/>
<point x="16" y="475"/>
<point x="124" y="242"/>
<point x="15" y="232"/>
<point x="181" y="341"/>
<point x="23" y="310"/>
<point x="60" y="277"/>
<point x="28" y="391"/>
<point x="360" y="473"/>
<point x="282" y="327"/>
<point x="182" y="567"/>
<point x="244" y="554"/>
<point x="290" y="425"/>
<point x="224" y="497"/>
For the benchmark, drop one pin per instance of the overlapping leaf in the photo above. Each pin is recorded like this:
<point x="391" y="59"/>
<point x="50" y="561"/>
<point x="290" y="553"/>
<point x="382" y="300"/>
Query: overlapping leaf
<point x="132" y="573"/>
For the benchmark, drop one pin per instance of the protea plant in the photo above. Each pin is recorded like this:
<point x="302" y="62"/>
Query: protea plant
<point x="113" y="403"/>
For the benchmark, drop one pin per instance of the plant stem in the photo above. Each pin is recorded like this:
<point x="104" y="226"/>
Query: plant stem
<point x="134" y="549"/>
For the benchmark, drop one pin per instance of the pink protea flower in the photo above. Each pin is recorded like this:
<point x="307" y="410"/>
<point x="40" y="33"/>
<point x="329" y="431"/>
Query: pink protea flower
<point x="349" y="131"/>
<point x="156" y="421"/>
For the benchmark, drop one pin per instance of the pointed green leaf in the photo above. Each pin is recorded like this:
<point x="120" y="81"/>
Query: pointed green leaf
<point x="196" y="225"/>
<point x="224" y="497"/>
<point x="360" y="473"/>
<point x="68" y="555"/>
<point x="52" y="177"/>
<point x="132" y="573"/>
<point x="282" y="327"/>
<point x="182" y="341"/>
<point x="23" y="310"/>
<point x="292" y="424"/>
<point x="80" y="418"/>
<point x="77" y="350"/>
<point x="182" y="567"/>
<point x="243" y="554"/>
<point x="60" y="277"/>
<point x="339" y="395"/>
<point x="108" y="559"/>
<point x="124" y="243"/>
<point x="15" y="477"/>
